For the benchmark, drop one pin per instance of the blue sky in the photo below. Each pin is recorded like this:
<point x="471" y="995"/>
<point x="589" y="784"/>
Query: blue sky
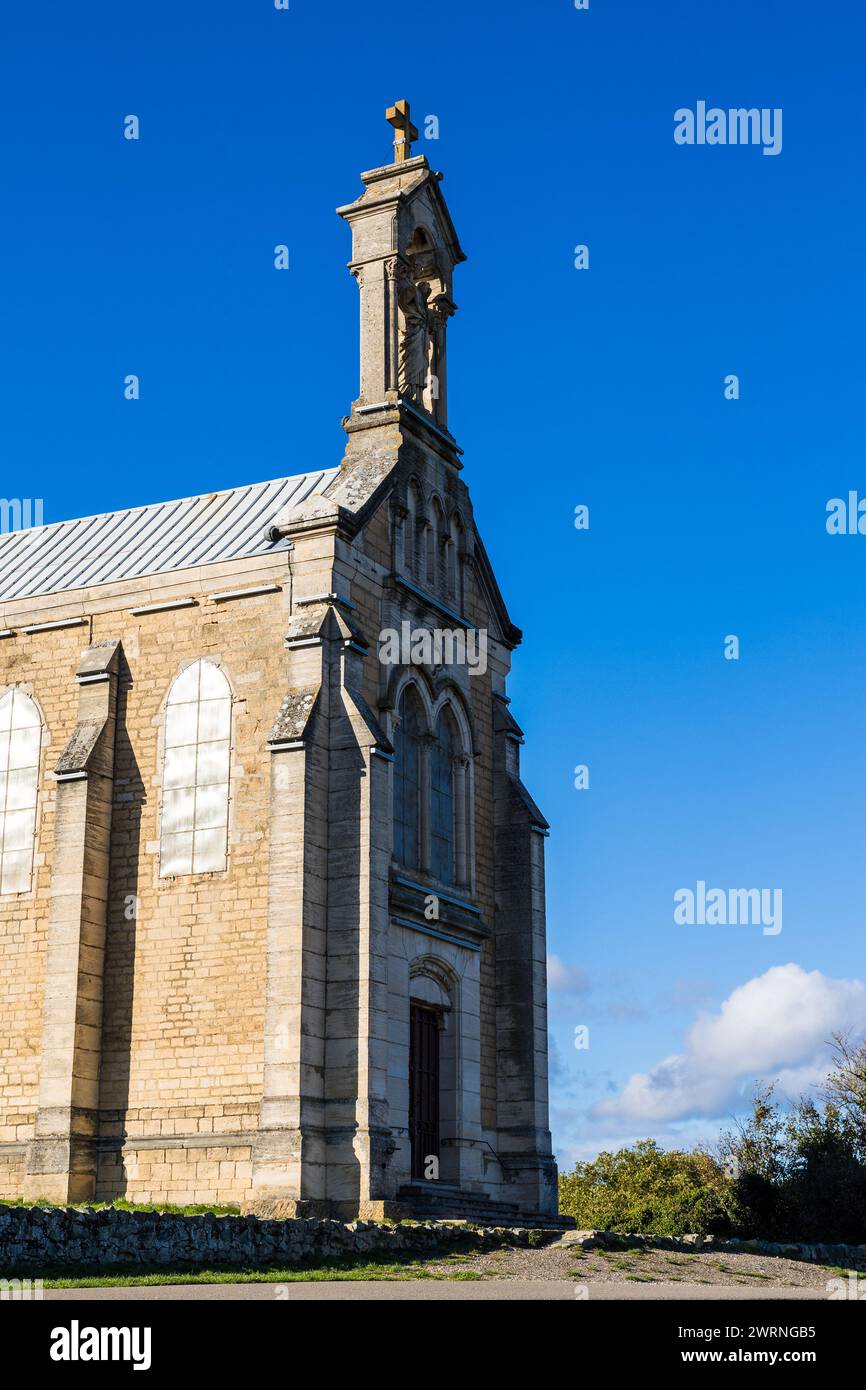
<point x="602" y="387"/>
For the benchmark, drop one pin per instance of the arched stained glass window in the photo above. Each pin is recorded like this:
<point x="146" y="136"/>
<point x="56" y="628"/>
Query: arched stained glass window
<point x="443" y="799"/>
<point x="195" y="783"/>
<point x="454" y="548"/>
<point x="410" y="533"/>
<point x="407" y="780"/>
<point x="436" y="542"/>
<point x="433" y="793"/>
<point x="20" y="740"/>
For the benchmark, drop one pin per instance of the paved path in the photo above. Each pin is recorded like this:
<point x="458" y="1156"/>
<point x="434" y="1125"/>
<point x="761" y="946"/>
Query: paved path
<point x="443" y="1290"/>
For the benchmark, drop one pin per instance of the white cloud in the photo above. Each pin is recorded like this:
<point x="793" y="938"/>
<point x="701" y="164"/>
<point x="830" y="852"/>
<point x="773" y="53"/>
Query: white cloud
<point x="774" y="1027"/>
<point x="565" y="979"/>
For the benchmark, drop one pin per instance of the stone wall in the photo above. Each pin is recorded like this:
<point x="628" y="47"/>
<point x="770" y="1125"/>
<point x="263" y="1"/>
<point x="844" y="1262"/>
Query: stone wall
<point x="38" y="1238"/>
<point x="44" y="670"/>
<point x="184" y="975"/>
<point x="841" y="1256"/>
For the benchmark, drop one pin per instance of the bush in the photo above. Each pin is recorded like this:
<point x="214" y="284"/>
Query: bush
<point x="800" y="1175"/>
<point x="646" y="1189"/>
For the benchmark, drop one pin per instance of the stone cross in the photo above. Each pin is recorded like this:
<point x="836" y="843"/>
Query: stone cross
<point x="404" y="131"/>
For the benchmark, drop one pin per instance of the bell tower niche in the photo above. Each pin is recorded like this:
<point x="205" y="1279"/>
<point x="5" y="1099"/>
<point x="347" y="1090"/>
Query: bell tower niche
<point x="404" y="250"/>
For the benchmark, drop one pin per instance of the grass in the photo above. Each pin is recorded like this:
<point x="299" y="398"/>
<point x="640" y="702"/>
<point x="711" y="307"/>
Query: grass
<point x="122" y="1205"/>
<point x="342" y="1268"/>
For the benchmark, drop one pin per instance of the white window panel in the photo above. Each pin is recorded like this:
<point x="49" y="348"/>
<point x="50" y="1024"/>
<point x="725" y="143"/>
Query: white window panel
<point x="178" y="811"/>
<point x="20" y="738"/>
<point x="24" y="748"/>
<point x="194" y="822"/>
<point x="16" y="875"/>
<point x="18" y="789"/>
<point x="211" y="806"/>
<point x="25" y="715"/>
<point x="176" y="854"/>
<point x="17" y="711"/>
<point x="210" y="851"/>
<point x="179" y="767"/>
<point x="214" y="720"/>
<point x="212" y="764"/>
<point x="185" y="688"/>
<point x="18" y="829"/>
<point x="181" y="725"/>
<point x="214" y="685"/>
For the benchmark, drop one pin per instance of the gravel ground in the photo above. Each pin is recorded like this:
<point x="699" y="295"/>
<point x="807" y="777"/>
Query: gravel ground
<point x="562" y="1260"/>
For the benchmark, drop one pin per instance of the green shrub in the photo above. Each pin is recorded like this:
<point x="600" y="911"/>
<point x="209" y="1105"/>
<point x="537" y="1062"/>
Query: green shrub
<point x="646" y="1189"/>
<point x="799" y="1174"/>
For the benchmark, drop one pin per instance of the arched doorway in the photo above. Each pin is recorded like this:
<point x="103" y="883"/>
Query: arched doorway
<point x="425" y="1024"/>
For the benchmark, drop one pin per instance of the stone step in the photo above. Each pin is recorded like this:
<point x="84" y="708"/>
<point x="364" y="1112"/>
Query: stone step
<point x="450" y="1204"/>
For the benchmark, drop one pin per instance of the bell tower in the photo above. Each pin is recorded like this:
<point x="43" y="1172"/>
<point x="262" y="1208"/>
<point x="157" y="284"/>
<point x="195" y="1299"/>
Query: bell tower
<point x="404" y="250"/>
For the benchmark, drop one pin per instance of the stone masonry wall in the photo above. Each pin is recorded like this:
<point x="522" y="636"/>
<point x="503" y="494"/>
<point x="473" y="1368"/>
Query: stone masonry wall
<point x="184" y="976"/>
<point x="43" y="666"/>
<point x="35" y="1238"/>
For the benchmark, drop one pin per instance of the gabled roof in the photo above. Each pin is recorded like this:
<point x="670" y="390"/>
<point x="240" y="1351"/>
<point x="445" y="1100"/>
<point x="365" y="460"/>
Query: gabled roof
<point x="163" y="536"/>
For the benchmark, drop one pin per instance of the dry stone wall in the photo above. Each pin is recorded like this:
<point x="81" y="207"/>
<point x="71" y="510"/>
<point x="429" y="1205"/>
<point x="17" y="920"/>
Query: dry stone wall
<point x="38" y="1238"/>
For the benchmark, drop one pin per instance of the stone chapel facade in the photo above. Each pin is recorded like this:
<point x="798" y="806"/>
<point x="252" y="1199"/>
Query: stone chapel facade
<point x="272" y="920"/>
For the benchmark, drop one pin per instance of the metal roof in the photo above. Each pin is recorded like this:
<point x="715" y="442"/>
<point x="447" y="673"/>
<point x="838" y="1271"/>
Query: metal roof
<point x="150" y="540"/>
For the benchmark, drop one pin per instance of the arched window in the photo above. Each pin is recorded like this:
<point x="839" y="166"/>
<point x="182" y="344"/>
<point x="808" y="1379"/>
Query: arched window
<point x="408" y="740"/>
<point x="453" y="563"/>
<point x="20" y="740"/>
<point x="443" y="800"/>
<point x="195" y="783"/>
<point x="433" y="792"/>
<point x="436" y="542"/>
<point x="410" y="533"/>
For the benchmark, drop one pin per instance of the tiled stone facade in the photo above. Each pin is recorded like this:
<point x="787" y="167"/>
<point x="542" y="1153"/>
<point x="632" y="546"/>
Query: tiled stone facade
<point x="243" y="1034"/>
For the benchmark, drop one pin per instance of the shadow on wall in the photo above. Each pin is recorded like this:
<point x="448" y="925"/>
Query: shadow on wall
<point x="128" y="805"/>
<point x="344" y="947"/>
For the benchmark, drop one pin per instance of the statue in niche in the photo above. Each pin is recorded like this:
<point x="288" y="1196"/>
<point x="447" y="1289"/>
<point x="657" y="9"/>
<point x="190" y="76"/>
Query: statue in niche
<point x="438" y="307"/>
<point x="415" y="340"/>
<point x="425" y="307"/>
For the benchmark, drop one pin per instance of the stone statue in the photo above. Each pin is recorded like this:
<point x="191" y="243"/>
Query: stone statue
<point x="414" y="353"/>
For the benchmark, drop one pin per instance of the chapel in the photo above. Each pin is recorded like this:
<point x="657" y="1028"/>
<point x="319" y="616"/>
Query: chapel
<point x="272" y="907"/>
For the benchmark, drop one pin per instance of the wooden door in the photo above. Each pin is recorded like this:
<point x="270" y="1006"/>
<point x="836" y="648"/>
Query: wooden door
<point x="423" y="1086"/>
